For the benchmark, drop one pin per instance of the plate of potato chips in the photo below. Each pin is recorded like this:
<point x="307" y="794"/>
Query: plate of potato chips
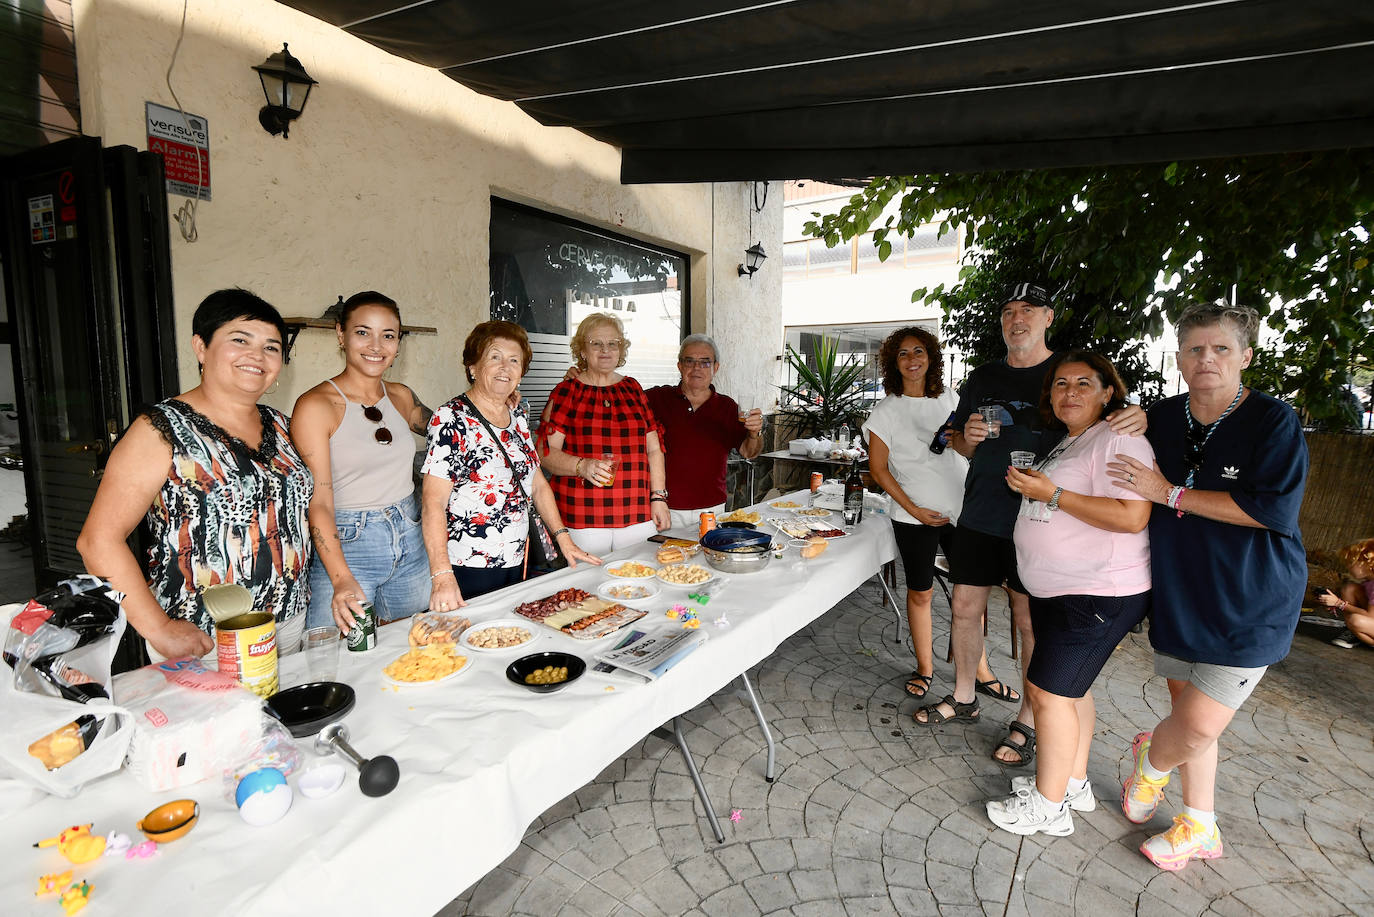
<point x="426" y="665"/>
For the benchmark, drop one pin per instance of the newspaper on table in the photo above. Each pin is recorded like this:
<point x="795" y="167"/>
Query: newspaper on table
<point x="644" y="657"/>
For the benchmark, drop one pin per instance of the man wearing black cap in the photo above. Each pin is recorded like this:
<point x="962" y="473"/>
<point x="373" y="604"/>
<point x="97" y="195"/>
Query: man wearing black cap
<point x="984" y="555"/>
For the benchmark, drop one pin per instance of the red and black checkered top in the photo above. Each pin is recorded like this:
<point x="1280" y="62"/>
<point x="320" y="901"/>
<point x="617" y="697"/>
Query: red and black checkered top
<point x="594" y="420"/>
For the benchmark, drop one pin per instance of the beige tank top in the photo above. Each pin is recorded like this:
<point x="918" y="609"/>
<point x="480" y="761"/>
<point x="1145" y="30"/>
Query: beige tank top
<point x="368" y="474"/>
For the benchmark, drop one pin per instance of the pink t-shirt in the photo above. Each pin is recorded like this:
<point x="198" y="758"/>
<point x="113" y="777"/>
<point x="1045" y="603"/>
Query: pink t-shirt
<point x="1057" y="554"/>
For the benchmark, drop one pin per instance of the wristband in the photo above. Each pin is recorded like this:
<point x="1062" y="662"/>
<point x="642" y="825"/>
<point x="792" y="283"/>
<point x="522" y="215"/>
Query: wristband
<point x="577" y="469"/>
<point x="658" y="499"/>
<point x="562" y="531"/>
<point x="438" y="573"/>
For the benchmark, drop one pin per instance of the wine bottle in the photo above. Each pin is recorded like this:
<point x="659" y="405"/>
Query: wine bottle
<point x="853" y="496"/>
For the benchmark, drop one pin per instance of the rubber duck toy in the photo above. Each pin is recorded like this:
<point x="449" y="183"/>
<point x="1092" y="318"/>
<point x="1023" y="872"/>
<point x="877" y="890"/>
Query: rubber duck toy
<point x="76" y="897"/>
<point x="51" y="882"/>
<point x="77" y="844"/>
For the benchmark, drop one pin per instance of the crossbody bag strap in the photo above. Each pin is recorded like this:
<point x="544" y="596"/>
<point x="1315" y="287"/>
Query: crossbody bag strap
<point x="514" y="475"/>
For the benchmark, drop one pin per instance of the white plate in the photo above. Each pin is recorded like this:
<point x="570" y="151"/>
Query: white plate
<point x="525" y="624"/>
<point x="610" y="570"/>
<point x="604" y="590"/>
<point x="712" y="578"/>
<point x="425" y="684"/>
<point x="813" y="512"/>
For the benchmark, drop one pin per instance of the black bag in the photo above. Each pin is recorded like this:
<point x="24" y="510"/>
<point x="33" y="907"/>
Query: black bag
<point x="540" y="551"/>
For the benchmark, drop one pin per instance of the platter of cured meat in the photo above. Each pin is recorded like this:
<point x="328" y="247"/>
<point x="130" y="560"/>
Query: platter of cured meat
<point x="579" y="614"/>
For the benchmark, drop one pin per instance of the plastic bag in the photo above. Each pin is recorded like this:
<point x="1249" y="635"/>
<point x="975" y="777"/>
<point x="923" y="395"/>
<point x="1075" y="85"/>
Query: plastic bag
<point x="276" y="749"/>
<point x="190" y="722"/>
<point x="61" y="728"/>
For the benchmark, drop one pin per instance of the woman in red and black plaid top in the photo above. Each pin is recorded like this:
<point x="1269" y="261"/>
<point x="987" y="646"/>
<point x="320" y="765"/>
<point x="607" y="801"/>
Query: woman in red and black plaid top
<point x="615" y="503"/>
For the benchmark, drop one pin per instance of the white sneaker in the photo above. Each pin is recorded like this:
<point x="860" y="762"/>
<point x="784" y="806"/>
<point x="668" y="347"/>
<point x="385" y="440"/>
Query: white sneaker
<point x="1081" y="801"/>
<point x="1023" y="813"/>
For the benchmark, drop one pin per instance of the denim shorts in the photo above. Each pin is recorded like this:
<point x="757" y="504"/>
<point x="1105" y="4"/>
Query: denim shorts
<point x="386" y="554"/>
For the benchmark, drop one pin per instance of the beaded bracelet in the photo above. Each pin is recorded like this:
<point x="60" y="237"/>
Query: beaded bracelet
<point x="562" y="531"/>
<point x="438" y="573"/>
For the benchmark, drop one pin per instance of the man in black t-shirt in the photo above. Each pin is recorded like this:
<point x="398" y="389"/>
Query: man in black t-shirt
<point x="984" y="555"/>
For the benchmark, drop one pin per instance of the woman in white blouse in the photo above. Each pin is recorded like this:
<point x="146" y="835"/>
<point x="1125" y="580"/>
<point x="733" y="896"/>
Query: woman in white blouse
<point x="926" y="487"/>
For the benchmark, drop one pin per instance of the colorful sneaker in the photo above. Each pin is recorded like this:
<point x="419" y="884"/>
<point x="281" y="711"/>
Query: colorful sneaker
<point x="1025" y="813"/>
<point x="1186" y="840"/>
<point x="1082" y="801"/>
<point x="1140" y="795"/>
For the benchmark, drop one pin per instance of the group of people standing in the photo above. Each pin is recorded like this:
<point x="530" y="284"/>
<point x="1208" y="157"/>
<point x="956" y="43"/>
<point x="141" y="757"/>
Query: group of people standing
<point x="1187" y="514"/>
<point x="317" y="514"/>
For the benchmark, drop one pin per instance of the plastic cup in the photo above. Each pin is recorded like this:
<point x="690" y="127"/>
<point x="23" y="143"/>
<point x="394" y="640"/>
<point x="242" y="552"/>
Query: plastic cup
<point x="322" y="653"/>
<point x="1020" y="459"/>
<point x="609" y="457"/>
<point x="992" y="416"/>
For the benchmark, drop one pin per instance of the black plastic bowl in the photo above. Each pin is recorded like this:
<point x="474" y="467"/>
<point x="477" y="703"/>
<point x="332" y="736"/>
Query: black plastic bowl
<point x="306" y="709"/>
<point x="523" y="666"/>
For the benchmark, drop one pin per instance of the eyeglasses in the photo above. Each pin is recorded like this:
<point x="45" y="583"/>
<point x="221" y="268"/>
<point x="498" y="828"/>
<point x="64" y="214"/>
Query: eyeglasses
<point x="699" y="364"/>
<point x="374" y="414"/>
<point x="604" y="345"/>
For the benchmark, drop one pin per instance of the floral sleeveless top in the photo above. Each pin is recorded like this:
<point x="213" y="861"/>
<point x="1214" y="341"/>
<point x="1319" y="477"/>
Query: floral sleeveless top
<point x="229" y="514"/>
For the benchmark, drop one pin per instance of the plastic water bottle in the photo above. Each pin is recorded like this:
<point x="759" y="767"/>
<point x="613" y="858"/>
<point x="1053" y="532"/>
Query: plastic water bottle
<point x="843" y="437"/>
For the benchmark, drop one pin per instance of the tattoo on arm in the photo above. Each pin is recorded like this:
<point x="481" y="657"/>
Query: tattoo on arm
<point x="317" y="536"/>
<point x="421" y="427"/>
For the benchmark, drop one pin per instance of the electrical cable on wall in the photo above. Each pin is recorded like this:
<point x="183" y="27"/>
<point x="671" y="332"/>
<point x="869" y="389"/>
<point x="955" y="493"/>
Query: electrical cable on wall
<point x="186" y="213"/>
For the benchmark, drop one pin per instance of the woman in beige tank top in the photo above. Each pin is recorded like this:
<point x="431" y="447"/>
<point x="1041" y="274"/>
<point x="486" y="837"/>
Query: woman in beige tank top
<point x="354" y="432"/>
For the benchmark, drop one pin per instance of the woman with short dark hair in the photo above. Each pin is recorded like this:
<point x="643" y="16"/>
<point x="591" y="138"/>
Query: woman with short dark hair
<point x="221" y="486"/>
<point x="1084" y="557"/>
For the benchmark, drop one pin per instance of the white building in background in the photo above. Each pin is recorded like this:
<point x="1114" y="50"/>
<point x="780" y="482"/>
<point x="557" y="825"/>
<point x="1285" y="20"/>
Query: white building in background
<point x="846" y="292"/>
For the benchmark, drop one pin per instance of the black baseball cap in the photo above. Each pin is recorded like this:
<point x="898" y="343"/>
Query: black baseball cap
<point x="1031" y="293"/>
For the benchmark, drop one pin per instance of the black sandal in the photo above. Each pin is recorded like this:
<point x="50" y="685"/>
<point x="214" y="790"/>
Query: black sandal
<point x="920" y="681"/>
<point x="963" y="713"/>
<point x="1025" y="751"/>
<point x="1001" y="692"/>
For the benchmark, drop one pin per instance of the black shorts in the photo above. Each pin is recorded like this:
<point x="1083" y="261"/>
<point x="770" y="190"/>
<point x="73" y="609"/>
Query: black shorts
<point x="917" y="544"/>
<point x="1074" y="636"/>
<point x="980" y="559"/>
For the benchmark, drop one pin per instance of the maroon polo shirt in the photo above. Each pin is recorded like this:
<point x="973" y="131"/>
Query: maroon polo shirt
<point x="696" y="444"/>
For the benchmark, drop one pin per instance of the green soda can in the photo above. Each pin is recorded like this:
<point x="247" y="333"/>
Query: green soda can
<point x="362" y="636"/>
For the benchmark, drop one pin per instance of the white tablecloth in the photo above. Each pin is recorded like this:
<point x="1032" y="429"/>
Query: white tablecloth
<point x="480" y="759"/>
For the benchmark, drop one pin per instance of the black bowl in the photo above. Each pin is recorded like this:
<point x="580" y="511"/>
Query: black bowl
<point x="306" y="709"/>
<point x="738" y="525"/>
<point x="523" y="666"/>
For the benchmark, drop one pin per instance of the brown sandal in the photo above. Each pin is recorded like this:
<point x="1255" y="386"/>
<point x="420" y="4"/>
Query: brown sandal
<point x="963" y="713"/>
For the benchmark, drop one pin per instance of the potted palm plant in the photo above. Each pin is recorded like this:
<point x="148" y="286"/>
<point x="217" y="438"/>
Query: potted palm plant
<point x="827" y="392"/>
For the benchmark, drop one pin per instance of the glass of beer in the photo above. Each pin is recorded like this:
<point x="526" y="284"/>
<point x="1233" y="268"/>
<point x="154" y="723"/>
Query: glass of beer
<point x="609" y="457"/>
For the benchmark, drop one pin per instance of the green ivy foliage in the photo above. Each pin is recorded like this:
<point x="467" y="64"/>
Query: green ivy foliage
<point x="1126" y="248"/>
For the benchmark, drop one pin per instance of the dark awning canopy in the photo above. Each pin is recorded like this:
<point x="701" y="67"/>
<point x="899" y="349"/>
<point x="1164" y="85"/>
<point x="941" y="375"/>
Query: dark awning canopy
<point x="699" y="90"/>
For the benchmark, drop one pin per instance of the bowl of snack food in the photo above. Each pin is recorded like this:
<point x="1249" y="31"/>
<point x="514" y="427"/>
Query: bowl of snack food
<point x="546" y="672"/>
<point x="306" y="709"/>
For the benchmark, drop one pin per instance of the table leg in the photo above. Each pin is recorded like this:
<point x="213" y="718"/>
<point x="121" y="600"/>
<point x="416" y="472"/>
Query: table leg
<point x="897" y="609"/>
<point x="763" y="725"/>
<point x="678" y="739"/>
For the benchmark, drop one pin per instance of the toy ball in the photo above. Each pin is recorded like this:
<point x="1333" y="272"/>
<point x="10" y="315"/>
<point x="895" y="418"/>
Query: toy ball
<point x="263" y="796"/>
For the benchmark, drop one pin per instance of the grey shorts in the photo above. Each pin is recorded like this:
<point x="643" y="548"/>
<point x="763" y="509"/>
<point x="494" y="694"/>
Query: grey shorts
<point x="1228" y="685"/>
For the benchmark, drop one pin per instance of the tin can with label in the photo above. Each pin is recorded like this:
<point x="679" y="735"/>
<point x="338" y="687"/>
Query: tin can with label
<point x="362" y="636"/>
<point x="246" y="647"/>
<point x="815" y="481"/>
<point x="708" y="522"/>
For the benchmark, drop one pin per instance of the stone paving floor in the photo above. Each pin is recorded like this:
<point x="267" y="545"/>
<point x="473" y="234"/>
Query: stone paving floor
<point x="872" y="814"/>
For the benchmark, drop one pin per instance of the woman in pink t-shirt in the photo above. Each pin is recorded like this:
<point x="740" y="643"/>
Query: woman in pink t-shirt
<point x="1084" y="556"/>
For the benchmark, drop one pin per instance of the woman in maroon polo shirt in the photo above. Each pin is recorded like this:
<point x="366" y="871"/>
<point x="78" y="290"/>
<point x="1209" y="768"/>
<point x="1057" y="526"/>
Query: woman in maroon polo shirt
<point x="602" y="445"/>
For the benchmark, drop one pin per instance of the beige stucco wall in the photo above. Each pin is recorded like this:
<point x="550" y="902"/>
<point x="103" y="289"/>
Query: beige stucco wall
<point x="385" y="183"/>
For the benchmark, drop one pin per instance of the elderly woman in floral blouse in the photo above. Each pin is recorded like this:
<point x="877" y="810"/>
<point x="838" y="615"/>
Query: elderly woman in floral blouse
<point x="482" y="476"/>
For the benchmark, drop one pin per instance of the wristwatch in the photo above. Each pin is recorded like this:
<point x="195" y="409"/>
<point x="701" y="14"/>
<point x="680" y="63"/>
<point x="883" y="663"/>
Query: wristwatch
<point x="1054" y="500"/>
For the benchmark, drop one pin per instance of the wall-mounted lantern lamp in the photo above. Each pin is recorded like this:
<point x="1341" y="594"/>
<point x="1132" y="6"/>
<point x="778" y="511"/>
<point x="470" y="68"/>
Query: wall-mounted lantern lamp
<point x="753" y="258"/>
<point x="287" y="87"/>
